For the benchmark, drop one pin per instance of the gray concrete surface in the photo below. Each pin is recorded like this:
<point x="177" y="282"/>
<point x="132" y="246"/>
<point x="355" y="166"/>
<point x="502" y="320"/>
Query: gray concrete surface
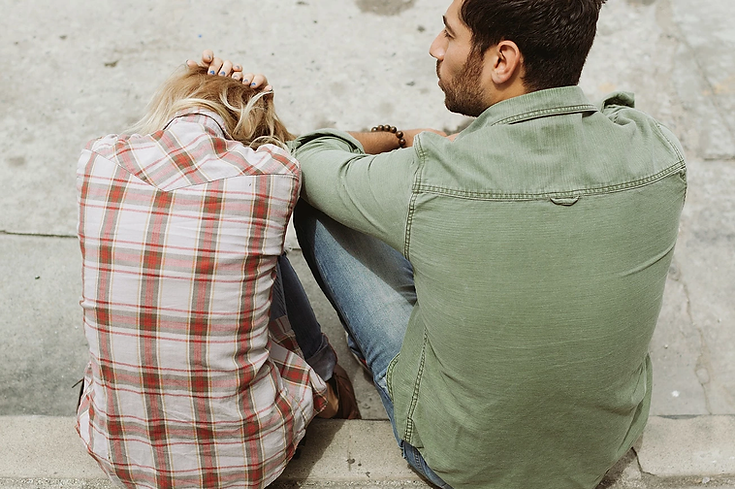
<point x="42" y="451"/>
<point x="689" y="446"/>
<point x="76" y="70"/>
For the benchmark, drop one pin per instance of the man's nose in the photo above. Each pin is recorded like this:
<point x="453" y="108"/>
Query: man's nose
<point x="437" y="48"/>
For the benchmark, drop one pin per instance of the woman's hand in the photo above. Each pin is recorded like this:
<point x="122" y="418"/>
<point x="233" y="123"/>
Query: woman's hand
<point x="219" y="67"/>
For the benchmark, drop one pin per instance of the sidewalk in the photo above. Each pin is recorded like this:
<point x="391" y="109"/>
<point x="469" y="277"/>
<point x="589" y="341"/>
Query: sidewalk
<point x="677" y="453"/>
<point x="84" y="69"/>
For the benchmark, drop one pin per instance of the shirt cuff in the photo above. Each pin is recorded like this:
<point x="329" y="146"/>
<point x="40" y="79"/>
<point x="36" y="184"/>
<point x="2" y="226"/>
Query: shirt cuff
<point x="326" y="138"/>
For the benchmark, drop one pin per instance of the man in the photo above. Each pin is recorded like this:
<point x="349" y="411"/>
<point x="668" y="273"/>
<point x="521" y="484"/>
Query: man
<point x="502" y="285"/>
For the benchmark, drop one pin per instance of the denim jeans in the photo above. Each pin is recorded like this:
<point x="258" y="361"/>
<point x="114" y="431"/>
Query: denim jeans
<point x="371" y="287"/>
<point x="289" y="299"/>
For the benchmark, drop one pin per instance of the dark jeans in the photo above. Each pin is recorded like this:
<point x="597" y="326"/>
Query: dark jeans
<point x="289" y="299"/>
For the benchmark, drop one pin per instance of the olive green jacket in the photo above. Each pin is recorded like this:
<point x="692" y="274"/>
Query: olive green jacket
<point x="540" y="240"/>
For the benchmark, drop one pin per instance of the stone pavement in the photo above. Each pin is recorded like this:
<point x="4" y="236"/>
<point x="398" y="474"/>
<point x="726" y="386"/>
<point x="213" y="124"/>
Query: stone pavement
<point x="78" y="70"/>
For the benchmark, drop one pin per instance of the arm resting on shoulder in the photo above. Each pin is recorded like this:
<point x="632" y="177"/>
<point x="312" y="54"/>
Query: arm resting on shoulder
<point x="369" y="193"/>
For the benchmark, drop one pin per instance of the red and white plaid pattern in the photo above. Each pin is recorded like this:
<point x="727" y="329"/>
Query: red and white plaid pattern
<point x="188" y="384"/>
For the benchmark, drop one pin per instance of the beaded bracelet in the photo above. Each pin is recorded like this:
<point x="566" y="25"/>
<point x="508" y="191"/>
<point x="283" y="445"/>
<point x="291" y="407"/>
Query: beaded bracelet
<point x="394" y="130"/>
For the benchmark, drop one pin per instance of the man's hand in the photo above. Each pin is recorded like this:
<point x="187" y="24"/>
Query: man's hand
<point x="220" y="67"/>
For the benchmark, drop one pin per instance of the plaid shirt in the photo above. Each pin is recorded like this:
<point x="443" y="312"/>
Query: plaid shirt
<point x="189" y="384"/>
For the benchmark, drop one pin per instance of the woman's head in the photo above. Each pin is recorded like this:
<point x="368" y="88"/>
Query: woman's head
<point x="248" y="113"/>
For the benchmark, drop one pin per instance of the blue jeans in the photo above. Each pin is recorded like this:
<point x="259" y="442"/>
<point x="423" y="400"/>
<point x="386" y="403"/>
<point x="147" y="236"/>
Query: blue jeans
<point x="289" y="299"/>
<point x="371" y="287"/>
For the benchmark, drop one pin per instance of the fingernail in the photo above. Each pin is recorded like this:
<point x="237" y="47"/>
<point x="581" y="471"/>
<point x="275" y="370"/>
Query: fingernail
<point x="221" y="73"/>
<point x="211" y="72"/>
<point x="238" y="67"/>
<point x="245" y="80"/>
<point x="252" y="84"/>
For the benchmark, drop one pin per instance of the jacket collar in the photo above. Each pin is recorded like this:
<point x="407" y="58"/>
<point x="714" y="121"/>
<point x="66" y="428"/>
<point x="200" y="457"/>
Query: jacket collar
<point x="541" y="103"/>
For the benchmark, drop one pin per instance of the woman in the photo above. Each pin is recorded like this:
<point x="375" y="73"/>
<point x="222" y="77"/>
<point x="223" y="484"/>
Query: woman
<point x="194" y="380"/>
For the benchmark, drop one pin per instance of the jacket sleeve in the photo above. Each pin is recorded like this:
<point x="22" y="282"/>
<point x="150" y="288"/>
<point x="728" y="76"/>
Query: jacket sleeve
<point x="368" y="193"/>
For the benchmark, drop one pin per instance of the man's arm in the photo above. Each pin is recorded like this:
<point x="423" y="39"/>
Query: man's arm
<point x="369" y="193"/>
<point x="375" y="142"/>
<point x="355" y="178"/>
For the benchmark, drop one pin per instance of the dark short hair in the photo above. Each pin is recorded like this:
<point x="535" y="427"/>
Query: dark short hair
<point x="554" y="36"/>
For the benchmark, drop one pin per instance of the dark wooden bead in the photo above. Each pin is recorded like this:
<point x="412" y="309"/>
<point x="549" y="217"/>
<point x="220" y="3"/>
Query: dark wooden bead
<point x="391" y="129"/>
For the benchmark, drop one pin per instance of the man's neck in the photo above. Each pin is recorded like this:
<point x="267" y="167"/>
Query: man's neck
<point x="510" y="90"/>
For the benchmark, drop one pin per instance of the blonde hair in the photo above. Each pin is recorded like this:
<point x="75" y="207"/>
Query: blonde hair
<point x="249" y="114"/>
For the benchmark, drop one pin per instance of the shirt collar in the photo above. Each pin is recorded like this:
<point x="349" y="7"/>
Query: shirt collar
<point x="212" y="122"/>
<point x="541" y="103"/>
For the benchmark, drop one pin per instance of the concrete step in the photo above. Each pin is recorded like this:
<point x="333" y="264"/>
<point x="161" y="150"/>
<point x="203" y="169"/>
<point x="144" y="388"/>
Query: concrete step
<point x="39" y="452"/>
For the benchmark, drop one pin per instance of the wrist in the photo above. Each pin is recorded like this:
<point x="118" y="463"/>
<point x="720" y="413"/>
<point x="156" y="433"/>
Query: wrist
<point x="400" y="139"/>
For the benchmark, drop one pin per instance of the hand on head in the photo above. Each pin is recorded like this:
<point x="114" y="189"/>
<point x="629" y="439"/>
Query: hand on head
<point x="217" y="66"/>
<point x="220" y="67"/>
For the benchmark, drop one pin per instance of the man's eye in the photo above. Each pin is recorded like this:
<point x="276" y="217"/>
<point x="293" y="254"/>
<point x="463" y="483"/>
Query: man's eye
<point x="446" y="33"/>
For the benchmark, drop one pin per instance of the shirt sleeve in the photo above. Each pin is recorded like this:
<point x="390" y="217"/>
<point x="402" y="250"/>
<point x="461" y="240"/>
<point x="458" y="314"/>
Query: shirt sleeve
<point x="368" y="193"/>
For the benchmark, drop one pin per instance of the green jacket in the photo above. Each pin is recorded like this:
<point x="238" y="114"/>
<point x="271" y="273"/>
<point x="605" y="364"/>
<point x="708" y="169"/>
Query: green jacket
<point x="540" y="241"/>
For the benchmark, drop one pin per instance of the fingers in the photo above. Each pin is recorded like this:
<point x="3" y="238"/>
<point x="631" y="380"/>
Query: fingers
<point x="226" y="68"/>
<point x="215" y="66"/>
<point x="257" y="81"/>
<point x="222" y="68"/>
<point x="247" y="78"/>
<point x="207" y="57"/>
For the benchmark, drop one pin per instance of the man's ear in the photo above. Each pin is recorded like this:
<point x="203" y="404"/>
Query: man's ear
<point x="507" y="62"/>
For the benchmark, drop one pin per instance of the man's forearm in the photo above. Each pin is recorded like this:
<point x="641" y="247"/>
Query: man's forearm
<point x="376" y="142"/>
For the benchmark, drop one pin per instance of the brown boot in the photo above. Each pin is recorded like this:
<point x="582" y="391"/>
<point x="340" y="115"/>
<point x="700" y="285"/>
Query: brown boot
<point x="342" y="402"/>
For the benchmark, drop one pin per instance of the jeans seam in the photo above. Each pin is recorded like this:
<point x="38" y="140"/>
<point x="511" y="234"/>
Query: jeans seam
<point x="389" y="375"/>
<point x="417" y="459"/>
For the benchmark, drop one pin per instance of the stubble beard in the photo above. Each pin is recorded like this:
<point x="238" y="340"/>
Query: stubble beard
<point x="464" y="95"/>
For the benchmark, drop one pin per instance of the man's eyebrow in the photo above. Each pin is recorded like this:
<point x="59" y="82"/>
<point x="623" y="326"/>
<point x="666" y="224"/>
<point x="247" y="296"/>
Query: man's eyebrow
<point x="446" y="24"/>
